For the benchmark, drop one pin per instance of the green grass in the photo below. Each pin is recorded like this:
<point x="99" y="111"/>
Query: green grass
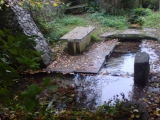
<point x="118" y="22"/>
<point x="58" y="27"/>
<point x="152" y="21"/>
<point x="103" y="23"/>
<point x="73" y="20"/>
<point x="94" y="38"/>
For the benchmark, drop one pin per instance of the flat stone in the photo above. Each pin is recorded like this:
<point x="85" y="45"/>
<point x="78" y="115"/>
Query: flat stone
<point x="89" y="61"/>
<point x="77" y="34"/>
<point x="78" y="39"/>
<point x="141" y="57"/>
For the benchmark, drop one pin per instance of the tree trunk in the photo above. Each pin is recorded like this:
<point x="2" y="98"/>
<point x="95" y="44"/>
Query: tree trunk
<point x="140" y="3"/>
<point x="159" y="5"/>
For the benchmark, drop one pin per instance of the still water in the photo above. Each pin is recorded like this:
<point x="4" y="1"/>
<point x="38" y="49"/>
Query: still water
<point x="114" y="78"/>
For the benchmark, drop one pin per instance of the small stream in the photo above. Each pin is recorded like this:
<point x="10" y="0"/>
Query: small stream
<point x="114" y="80"/>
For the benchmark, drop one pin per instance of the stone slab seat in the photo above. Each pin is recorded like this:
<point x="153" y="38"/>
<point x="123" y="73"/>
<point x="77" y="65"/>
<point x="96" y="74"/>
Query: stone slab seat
<point x="78" y="39"/>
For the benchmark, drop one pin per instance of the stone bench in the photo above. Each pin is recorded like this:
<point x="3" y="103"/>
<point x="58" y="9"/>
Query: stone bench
<point x="78" y="39"/>
<point x="76" y="9"/>
<point x="77" y="6"/>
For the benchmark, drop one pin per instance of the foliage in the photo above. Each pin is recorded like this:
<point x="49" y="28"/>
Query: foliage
<point x="29" y="96"/>
<point x="58" y="27"/>
<point x="16" y="54"/>
<point x="152" y="4"/>
<point x="93" y="6"/>
<point x="40" y="9"/>
<point x="119" y="22"/>
<point x="141" y="11"/>
<point x="17" y="51"/>
<point x="128" y="4"/>
<point x="94" y="38"/>
<point x="109" y="108"/>
<point x="44" y="9"/>
<point x="113" y="109"/>
<point x="152" y="20"/>
<point x="71" y="20"/>
<point x="137" y="15"/>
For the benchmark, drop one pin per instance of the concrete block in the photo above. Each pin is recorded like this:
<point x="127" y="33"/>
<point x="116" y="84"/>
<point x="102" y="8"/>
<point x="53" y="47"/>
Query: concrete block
<point x="141" y="68"/>
<point x="78" y="39"/>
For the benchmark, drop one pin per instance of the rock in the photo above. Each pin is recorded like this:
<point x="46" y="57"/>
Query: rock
<point x="141" y="68"/>
<point x="25" y="24"/>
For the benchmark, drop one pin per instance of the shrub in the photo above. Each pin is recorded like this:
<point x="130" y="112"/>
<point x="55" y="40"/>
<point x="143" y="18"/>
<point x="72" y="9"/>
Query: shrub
<point x="141" y="11"/>
<point x="56" y="28"/>
<point x="16" y="54"/>
<point x="152" y="21"/>
<point x="115" y="21"/>
<point x="138" y="14"/>
<point x="93" y="6"/>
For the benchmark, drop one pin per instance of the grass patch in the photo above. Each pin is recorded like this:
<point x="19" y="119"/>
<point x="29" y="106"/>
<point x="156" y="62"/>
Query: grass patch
<point x="73" y="20"/>
<point x="119" y="22"/>
<point x="94" y="38"/>
<point x="103" y="23"/>
<point x="153" y="20"/>
<point x="55" y="29"/>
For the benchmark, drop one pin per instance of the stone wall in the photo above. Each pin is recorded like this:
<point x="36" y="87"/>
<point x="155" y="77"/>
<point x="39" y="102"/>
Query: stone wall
<point x="28" y="26"/>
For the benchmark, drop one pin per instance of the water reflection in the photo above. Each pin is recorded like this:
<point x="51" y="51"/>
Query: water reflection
<point x="110" y="81"/>
<point x="115" y="78"/>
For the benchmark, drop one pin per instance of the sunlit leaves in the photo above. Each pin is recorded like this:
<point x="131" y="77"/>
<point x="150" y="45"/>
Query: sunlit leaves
<point x="157" y="112"/>
<point x="6" y="5"/>
<point x="40" y="4"/>
<point x="1" y="1"/>
<point x="55" y="4"/>
<point x="34" y="3"/>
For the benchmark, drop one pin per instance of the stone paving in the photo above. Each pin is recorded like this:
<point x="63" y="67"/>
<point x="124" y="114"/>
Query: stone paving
<point x="92" y="60"/>
<point x="89" y="61"/>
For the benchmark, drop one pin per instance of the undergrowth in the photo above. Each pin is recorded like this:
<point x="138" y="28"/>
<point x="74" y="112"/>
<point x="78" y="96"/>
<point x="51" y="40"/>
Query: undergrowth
<point x="119" y="22"/>
<point x="153" y="20"/>
<point x="56" y="28"/>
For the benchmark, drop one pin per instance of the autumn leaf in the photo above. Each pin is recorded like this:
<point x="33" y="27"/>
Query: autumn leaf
<point x="6" y="5"/>
<point x="157" y="112"/>
<point x="55" y="4"/>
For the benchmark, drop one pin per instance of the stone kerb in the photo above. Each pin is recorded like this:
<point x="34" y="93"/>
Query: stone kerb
<point x="141" y="68"/>
<point x="30" y="28"/>
<point x="132" y="34"/>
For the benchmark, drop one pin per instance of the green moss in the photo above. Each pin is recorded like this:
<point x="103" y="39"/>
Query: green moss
<point x="94" y="38"/>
